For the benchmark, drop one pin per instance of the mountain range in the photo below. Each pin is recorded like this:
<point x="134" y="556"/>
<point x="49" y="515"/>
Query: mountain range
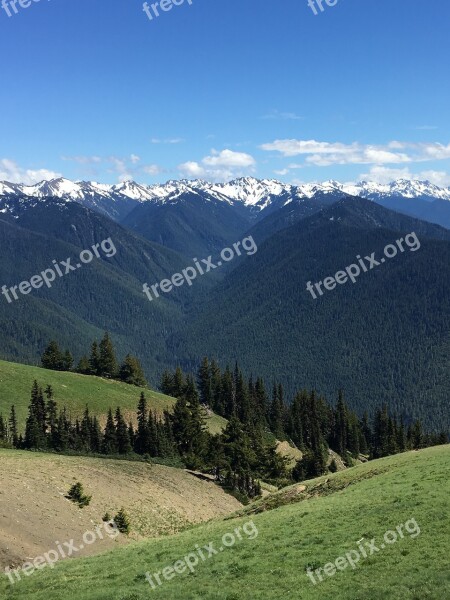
<point x="386" y="338"/>
<point x="258" y="196"/>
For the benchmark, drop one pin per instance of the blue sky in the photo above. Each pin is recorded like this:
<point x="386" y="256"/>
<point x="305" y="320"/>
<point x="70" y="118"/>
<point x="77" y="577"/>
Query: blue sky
<point x="94" y="89"/>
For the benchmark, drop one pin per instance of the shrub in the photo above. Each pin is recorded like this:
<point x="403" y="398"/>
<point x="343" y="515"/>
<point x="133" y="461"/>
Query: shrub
<point x="333" y="466"/>
<point x="122" y="521"/>
<point x="77" y="495"/>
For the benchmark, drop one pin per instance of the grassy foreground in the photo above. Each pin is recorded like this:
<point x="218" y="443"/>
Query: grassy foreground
<point x="76" y="391"/>
<point x="365" y="501"/>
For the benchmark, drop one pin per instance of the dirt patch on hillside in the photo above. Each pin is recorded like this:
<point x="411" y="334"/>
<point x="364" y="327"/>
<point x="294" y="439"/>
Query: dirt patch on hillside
<point x="35" y="514"/>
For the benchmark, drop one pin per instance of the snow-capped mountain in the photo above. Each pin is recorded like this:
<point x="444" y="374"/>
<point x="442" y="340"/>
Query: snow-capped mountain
<point x="404" y="188"/>
<point x="247" y="190"/>
<point x="257" y="196"/>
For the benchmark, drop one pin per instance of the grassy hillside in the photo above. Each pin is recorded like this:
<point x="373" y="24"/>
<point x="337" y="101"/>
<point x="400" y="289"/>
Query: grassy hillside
<point x="76" y="391"/>
<point x="309" y="530"/>
<point x="34" y="511"/>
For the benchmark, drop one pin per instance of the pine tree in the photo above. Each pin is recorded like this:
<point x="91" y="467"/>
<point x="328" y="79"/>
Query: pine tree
<point x="63" y="432"/>
<point x="52" y="357"/>
<point x="205" y="383"/>
<point x="67" y="361"/>
<point x="178" y="383"/>
<point x="167" y="385"/>
<point x="131" y="372"/>
<point x="35" y="428"/>
<point x="85" y="431"/>
<point x="122" y="437"/>
<point x="96" y="436"/>
<point x="94" y="360"/>
<point x="107" y="363"/>
<point x="122" y="521"/>
<point x="109" y="444"/>
<point x="381" y="433"/>
<point x="142" y="444"/>
<point x="180" y="421"/>
<point x="83" y="366"/>
<point x="197" y="422"/>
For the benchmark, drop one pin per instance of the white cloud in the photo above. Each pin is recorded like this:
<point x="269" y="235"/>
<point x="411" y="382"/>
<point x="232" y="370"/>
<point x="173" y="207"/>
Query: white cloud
<point x="192" y="169"/>
<point x="12" y="172"/>
<point x="219" y="165"/>
<point x="152" y="169"/>
<point x="229" y="158"/>
<point x="326" y="153"/>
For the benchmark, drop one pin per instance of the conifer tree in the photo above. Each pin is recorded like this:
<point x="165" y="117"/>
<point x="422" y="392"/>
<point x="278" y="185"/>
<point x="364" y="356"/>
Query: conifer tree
<point x="131" y="372"/>
<point x="52" y="358"/>
<point x="94" y="360"/>
<point x="67" y="361"/>
<point x="142" y="441"/>
<point x="181" y="426"/>
<point x="153" y="446"/>
<point x="35" y="428"/>
<point x="107" y="363"/>
<point x="205" y="383"/>
<point x="178" y="383"/>
<point x="122" y="437"/>
<point x="85" y="441"/>
<point x="83" y="366"/>
<point x="167" y="384"/>
<point x="109" y="444"/>
<point x="96" y="436"/>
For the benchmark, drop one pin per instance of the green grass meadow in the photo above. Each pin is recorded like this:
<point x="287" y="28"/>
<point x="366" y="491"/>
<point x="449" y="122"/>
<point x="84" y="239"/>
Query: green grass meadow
<point x="76" y="391"/>
<point x="364" y="501"/>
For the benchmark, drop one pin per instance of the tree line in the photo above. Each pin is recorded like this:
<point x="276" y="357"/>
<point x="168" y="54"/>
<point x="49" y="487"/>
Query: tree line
<point x="245" y="452"/>
<point x="101" y="362"/>
<point x="309" y="422"/>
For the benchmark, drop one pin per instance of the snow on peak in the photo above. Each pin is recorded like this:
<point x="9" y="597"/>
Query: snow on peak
<point x="258" y="194"/>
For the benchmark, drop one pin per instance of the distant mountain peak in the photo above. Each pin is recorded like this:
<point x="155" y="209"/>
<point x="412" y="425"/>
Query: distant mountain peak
<point x="247" y="193"/>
